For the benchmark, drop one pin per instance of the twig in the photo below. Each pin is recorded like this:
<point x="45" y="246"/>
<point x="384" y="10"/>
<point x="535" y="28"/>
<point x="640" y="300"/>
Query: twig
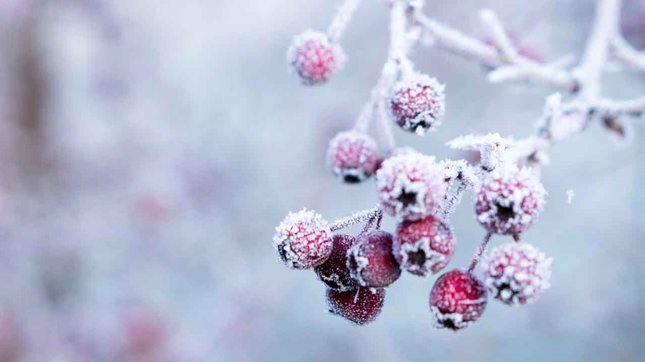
<point x="480" y="252"/>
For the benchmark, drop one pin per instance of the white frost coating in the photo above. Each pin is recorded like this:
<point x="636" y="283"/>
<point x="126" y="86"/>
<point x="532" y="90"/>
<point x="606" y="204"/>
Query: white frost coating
<point x="361" y="264"/>
<point x="431" y="257"/>
<point x="516" y="273"/>
<point x="417" y="103"/>
<point x="303" y="239"/>
<point x="440" y="319"/>
<point x="341" y="19"/>
<point x="490" y="146"/>
<point x="410" y="186"/>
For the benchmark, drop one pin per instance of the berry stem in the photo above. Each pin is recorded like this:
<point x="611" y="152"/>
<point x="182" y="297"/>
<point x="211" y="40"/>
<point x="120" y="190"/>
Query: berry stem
<point x="341" y="19"/>
<point x="480" y="252"/>
<point x="355" y="218"/>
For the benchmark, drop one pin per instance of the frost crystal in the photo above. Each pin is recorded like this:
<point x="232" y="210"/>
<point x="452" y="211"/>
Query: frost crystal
<point x="509" y="200"/>
<point x="515" y="273"/>
<point x="352" y="156"/>
<point x="303" y="239"/>
<point x="314" y="57"/>
<point x="417" y="103"/>
<point x="490" y="147"/>
<point x="410" y="186"/>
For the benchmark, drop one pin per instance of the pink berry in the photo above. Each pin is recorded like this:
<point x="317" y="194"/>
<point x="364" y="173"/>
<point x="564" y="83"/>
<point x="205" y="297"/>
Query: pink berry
<point x="410" y="186"/>
<point x="417" y="103"/>
<point x="352" y="156"/>
<point x="361" y="305"/>
<point x="370" y="260"/>
<point x="516" y="273"/>
<point x="509" y="200"/>
<point x="334" y="272"/>
<point x="457" y="299"/>
<point x="314" y="57"/>
<point x="303" y="239"/>
<point x="424" y="246"/>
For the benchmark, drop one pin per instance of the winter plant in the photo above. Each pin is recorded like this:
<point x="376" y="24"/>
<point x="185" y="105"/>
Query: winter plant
<point x="421" y="192"/>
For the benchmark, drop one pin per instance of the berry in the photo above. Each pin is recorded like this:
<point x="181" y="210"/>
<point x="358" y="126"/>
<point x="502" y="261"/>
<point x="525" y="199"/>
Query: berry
<point x="424" y="246"/>
<point x="370" y="260"/>
<point x="352" y="156"/>
<point x="509" y="200"/>
<point x="417" y="103"/>
<point x="361" y="305"/>
<point x="457" y="299"/>
<point x="314" y="57"/>
<point x="334" y="272"/>
<point x="410" y="186"/>
<point x="516" y="273"/>
<point x="303" y="239"/>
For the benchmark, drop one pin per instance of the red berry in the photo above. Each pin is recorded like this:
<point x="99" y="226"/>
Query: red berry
<point x="361" y="305"/>
<point x="370" y="260"/>
<point x="457" y="299"/>
<point x="410" y="186"/>
<point x="417" y="103"/>
<point x="303" y="239"/>
<point x="334" y="272"/>
<point x="509" y="200"/>
<point x="314" y="57"/>
<point x="516" y="273"/>
<point x="424" y="246"/>
<point x="352" y="156"/>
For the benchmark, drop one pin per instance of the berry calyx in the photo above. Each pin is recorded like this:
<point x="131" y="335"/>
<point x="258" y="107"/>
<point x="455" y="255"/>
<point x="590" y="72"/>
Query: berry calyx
<point x="370" y="260"/>
<point x="303" y="239"/>
<point x="410" y="186"/>
<point x="424" y="246"/>
<point x="509" y="200"/>
<point x="457" y="299"/>
<point x="516" y="273"/>
<point x="352" y="156"/>
<point x="417" y="103"/>
<point x="334" y="272"/>
<point x="314" y="57"/>
<point x="360" y="306"/>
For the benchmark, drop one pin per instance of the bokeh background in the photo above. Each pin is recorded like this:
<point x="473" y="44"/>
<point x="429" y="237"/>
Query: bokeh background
<point x="149" y="148"/>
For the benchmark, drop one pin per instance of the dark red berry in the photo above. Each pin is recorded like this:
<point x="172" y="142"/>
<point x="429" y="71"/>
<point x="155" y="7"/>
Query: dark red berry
<point x="457" y="299"/>
<point x="425" y="246"/>
<point x="334" y="272"/>
<point x="371" y="262"/>
<point x="360" y="306"/>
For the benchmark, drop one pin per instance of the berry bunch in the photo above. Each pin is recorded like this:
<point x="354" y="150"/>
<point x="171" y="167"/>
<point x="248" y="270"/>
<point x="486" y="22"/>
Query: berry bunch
<point x="419" y="192"/>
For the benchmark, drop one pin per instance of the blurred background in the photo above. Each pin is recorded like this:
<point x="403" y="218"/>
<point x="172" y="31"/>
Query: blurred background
<point x="149" y="148"/>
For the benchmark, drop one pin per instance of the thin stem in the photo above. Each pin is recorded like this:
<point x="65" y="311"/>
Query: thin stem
<point x="480" y="252"/>
<point x="341" y="19"/>
<point x="356" y="218"/>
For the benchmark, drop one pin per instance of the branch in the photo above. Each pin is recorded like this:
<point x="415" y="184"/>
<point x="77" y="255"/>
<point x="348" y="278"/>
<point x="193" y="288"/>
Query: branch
<point x="627" y="54"/>
<point x="506" y="62"/>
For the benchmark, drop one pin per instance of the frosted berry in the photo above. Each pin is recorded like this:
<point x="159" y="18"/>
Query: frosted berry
<point x="370" y="260"/>
<point x="457" y="299"/>
<point x="303" y="239"/>
<point x="352" y="156"/>
<point x="410" y="186"/>
<point x="417" y="103"/>
<point x="361" y="305"/>
<point x="509" y="200"/>
<point x="334" y="272"/>
<point x="515" y="273"/>
<point x="424" y="246"/>
<point x="314" y="57"/>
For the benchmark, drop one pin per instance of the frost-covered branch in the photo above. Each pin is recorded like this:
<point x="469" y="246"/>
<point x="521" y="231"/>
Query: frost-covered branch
<point x="341" y="19"/>
<point x="625" y="53"/>
<point x="356" y="218"/>
<point x="501" y="56"/>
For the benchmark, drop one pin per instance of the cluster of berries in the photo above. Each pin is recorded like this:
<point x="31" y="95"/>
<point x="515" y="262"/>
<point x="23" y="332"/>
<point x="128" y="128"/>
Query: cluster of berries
<point x="416" y="190"/>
